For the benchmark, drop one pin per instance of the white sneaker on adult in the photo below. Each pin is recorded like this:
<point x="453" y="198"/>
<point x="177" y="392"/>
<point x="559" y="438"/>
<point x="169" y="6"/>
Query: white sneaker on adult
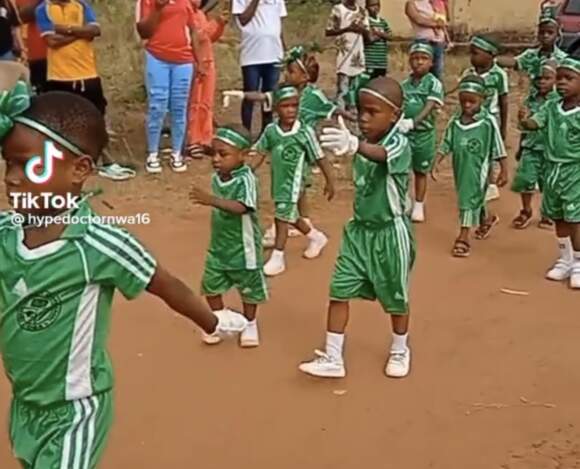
<point x="418" y="214"/>
<point x="210" y="339"/>
<point x="275" y="266"/>
<point x="323" y="366"/>
<point x="399" y="363"/>
<point x="316" y="245"/>
<point x="177" y="164"/>
<point x="153" y="164"/>
<point x="492" y="193"/>
<point x="250" y="336"/>
<point x="561" y="270"/>
<point x="575" y="277"/>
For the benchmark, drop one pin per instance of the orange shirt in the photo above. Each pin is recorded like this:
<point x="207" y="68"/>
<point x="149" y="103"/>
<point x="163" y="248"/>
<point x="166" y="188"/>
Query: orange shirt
<point x="35" y="45"/>
<point x="171" y="41"/>
<point x="208" y="31"/>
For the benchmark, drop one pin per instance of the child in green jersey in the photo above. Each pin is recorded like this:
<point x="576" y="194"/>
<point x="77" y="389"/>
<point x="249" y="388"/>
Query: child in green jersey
<point x="483" y="51"/>
<point x="529" y="174"/>
<point x="559" y="121"/>
<point x="530" y="60"/>
<point x="291" y="144"/>
<point x="474" y="141"/>
<point x="376" y="41"/>
<point x="234" y="257"/>
<point x="423" y="97"/>
<point x="57" y="284"/>
<point x="377" y="249"/>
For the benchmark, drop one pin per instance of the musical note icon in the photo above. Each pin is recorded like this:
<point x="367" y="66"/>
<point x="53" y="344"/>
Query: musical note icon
<point x="40" y="169"/>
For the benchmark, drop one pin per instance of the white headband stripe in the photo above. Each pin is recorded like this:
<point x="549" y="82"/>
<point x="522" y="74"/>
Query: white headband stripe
<point x="381" y="97"/>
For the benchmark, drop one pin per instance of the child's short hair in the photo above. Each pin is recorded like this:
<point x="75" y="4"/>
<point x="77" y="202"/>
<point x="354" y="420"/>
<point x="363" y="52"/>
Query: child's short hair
<point x="312" y="68"/>
<point x="73" y="117"/>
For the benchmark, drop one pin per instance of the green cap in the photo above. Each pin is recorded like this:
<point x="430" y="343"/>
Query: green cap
<point x="470" y="85"/>
<point x="285" y="92"/>
<point x="421" y="47"/>
<point x="486" y="44"/>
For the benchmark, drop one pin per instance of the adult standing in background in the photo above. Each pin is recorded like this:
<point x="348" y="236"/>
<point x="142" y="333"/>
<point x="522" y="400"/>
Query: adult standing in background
<point x="429" y="27"/>
<point x="168" y="29"/>
<point x="10" y="48"/>
<point x="35" y="45"/>
<point x="262" y="49"/>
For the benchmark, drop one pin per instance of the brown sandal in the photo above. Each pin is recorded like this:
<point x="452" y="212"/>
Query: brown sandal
<point x="523" y="220"/>
<point x="461" y="248"/>
<point x="484" y="230"/>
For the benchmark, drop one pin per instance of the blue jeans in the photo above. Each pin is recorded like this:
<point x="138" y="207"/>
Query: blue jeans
<point x="168" y="85"/>
<point x="7" y="56"/>
<point x="438" y="59"/>
<point x="261" y="77"/>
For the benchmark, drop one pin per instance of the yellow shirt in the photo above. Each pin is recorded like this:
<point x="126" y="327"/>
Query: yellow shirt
<point x="75" y="61"/>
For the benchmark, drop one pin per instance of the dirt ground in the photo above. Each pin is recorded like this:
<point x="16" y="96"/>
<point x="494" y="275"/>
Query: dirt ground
<point x="494" y="383"/>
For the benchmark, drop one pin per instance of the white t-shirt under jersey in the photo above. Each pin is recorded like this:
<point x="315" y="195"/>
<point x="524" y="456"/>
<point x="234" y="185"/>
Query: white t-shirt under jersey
<point x="261" y="41"/>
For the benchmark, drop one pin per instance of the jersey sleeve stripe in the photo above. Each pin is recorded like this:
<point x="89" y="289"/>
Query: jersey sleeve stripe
<point x="499" y="147"/>
<point x="250" y="199"/>
<point x="395" y="149"/>
<point x="126" y="238"/>
<point x="315" y="146"/>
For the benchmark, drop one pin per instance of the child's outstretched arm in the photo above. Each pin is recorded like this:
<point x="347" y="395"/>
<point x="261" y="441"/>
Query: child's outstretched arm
<point x="202" y="197"/>
<point x="526" y="122"/>
<point x="341" y="142"/>
<point x="182" y="300"/>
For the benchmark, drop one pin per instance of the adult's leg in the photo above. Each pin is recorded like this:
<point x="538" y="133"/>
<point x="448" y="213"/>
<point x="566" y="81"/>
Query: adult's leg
<point x="251" y="79"/>
<point x="180" y="85"/>
<point x="270" y="75"/>
<point x="38" y="75"/>
<point x="157" y="81"/>
<point x="438" y="59"/>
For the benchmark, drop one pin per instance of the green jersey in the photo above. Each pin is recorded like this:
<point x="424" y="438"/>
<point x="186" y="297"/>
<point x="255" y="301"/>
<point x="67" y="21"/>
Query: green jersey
<point x="530" y="61"/>
<point x="290" y="151"/>
<point x="496" y="85"/>
<point x="561" y="129"/>
<point x="381" y="189"/>
<point x="534" y="139"/>
<point x="417" y="94"/>
<point x="356" y="84"/>
<point x="472" y="147"/>
<point x="236" y="240"/>
<point x="376" y="52"/>
<point x="55" y="307"/>
<point x="314" y="106"/>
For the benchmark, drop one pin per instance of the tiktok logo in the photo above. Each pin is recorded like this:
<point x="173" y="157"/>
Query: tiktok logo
<point x="39" y="169"/>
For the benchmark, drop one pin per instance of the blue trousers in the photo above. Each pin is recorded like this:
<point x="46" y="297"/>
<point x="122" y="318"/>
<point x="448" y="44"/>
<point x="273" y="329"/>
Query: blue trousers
<point x="168" y="85"/>
<point x="261" y="77"/>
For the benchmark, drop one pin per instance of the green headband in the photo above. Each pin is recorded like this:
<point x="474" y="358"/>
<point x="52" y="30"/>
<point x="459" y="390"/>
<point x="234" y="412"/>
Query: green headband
<point x="295" y="56"/>
<point x="571" y="64"/>
<point x="468" y="86"/>
<point x="233" y="138"/>
<point x="485" y="45"/>
<point x="421" y="47"/>
<point x="12" y="103"/>
<point x="285" y="92"/>
<point x="548" y="20"/>
<point x="550" y="65"/>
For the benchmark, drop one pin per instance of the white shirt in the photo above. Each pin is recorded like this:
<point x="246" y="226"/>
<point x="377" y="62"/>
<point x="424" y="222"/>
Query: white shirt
<point x="350" y="59"/>
<point x="261" y="38"/>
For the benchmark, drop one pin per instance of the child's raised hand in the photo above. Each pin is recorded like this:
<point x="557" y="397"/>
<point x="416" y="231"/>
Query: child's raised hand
<point x="200" y="196"/>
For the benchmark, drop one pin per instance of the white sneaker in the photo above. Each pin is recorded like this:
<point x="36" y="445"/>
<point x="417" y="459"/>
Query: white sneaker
<point x="269" y="239"/>
<point x="177" y="164"/>
<point x="275" y="266"/>
<point x="492" y="193"/>
<point x="418" y="214"/>
<point x="210" y="339"/>
<point x="560" y="271"/>
<point x="153" y="164"/>
<point x="315" y="246"/>
<point x="399" y="363"/>
<point x="575" y="277"/>
<point x="250" y="336"/>
<point x="323" y="366"/>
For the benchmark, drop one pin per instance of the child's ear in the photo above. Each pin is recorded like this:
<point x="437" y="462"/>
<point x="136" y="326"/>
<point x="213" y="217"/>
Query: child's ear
<point x="82" y="168"/>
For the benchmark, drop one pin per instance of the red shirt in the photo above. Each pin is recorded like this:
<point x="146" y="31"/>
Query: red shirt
<point x="35" y="45"/>
<point x="171" y="41"/>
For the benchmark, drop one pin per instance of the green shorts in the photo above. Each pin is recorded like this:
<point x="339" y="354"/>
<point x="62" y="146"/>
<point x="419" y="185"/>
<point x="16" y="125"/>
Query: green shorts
<point x="375" y="263"/>
<point x="286" y="211"/>
<point x="423" y="149"/>
<point x="561" y="201"/>
<point x="251" y="284"/>
<point x="70" y="435"/>
<point x="529" y="173"/>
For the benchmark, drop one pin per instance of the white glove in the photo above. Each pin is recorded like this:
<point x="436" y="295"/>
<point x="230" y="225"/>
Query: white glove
<point x="229" y="322"/>
<point x="228" y="94"/>
<point x="340" y="141"/>
<point x="406" y="125"/>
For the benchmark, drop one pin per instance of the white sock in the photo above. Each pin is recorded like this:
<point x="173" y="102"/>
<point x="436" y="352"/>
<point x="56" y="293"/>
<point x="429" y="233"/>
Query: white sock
<point x="176" y="155"/>
<point x="566" y="251"/>
<point x="334" y="345"/>
<point x="313" y="234"/>
<point x="308" y="222"/>
<point x="277" y="255"/>
<point x="252" y="324"/>
<point x="399" y="343"/>
<point x="153" y="155"/>
<point x="419" y="205"/>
